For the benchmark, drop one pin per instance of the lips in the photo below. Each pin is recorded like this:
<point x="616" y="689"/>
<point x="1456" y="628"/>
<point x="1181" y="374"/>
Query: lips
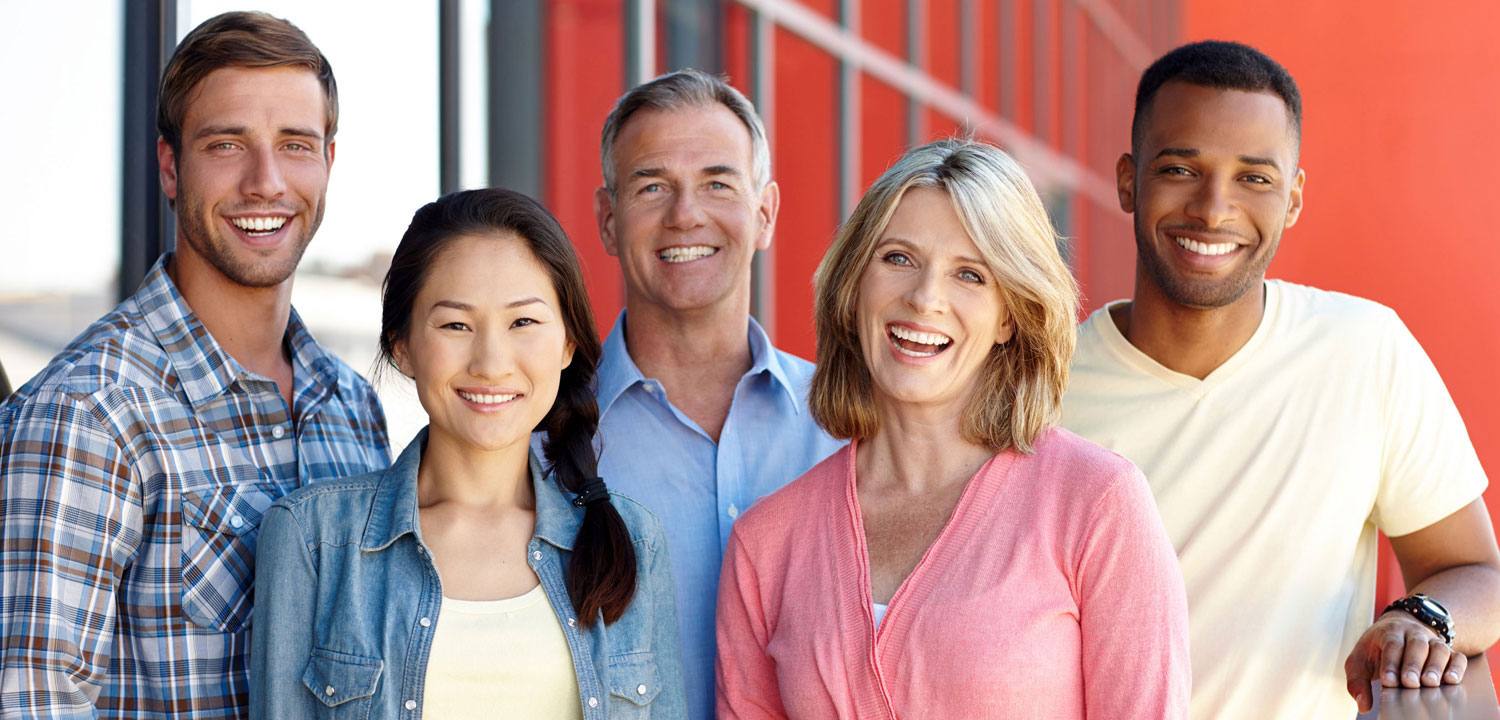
<point x="688" y="253"/>
<point x="1203" y="248"/>
<point x="917" y="343"/>
<point x="258" y="226"/>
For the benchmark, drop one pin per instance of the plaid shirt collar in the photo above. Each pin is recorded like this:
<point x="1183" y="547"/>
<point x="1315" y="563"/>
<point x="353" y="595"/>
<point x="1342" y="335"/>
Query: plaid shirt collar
<point x="203" y="367"/>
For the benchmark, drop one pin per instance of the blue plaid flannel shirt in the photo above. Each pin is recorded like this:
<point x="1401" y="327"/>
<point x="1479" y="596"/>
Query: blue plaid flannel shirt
<point x="134" y="470"/>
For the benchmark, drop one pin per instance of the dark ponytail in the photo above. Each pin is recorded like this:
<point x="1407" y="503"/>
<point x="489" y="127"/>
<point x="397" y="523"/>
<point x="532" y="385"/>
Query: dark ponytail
<point x="601" y="576"/>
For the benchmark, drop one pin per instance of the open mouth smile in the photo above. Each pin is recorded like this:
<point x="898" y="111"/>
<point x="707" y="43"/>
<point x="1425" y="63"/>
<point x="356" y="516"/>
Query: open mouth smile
<point x="259" y="226"/>
<point x="915" y="343"/>
<point x="686" y="254"/>
<point x="1201" y="248"/>
<point x="487" y="401"/>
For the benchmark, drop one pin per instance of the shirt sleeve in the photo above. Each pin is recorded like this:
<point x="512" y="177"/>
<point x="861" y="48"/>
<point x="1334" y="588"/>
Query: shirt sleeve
<point x="70" y="522"/>
<point x="286" y="582"/>
<point x="746" y="686"/>
<point x="1132" y="609"/>
<point x="1428" y="467"/>
<point x="666" y="645"/>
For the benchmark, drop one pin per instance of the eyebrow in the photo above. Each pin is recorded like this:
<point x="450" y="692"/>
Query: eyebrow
<point x="242" y="130"/>
<point x="655" y="172"/>
<point x="456" y="305"/>
<point x="1192" y="153"/>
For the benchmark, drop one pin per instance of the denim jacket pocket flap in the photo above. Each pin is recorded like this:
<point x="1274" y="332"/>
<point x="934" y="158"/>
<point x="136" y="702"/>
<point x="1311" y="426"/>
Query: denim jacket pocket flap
<point x="336" y="678"/>
<point x="634" y="678"/>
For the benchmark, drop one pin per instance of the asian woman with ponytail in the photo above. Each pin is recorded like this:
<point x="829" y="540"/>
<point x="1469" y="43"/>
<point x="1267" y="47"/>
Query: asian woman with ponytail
<point x="473" y="578"/>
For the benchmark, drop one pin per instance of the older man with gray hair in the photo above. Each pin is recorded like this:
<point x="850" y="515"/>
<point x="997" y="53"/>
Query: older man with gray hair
<point x="699" y="414"/>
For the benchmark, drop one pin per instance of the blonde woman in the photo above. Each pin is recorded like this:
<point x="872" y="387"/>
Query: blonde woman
<point x="962" y="557"/>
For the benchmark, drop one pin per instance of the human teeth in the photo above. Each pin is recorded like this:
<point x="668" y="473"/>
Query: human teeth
<point x="1193" y="246"/>
<point x="925" y="338"/>
<point x="486" y="399"/>
<point x="259" y="224"/>
<point x="684" y="254"/>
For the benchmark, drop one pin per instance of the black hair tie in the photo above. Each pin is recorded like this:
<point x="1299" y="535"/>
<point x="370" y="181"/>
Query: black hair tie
<point x="592" y="491"/>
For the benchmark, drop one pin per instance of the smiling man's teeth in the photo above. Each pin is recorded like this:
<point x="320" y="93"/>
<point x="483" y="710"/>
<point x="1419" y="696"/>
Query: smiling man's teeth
<point x="259" y="225"/>
<point x="1193" y="246"/>
<point x="684" y="254"/>
<point x="486" y="399"/>
<point x="925" y="338"/>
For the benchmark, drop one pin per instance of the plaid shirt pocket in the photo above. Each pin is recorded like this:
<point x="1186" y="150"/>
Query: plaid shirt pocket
<point x="219" y="527"/>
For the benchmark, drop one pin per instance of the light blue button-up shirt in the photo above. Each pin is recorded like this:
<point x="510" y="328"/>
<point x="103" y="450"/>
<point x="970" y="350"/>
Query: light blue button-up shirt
<point x="658" y="456"/>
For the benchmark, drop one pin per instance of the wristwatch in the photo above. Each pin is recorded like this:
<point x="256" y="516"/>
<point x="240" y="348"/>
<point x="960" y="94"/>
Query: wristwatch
<point x="1428" y="612"/>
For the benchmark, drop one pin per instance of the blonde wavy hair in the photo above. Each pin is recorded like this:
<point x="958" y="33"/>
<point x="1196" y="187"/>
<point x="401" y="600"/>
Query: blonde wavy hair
<point x="1019" y="393"/>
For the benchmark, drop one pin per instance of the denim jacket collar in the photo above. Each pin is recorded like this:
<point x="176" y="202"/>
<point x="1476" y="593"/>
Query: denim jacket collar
<point x="393" y="507"/>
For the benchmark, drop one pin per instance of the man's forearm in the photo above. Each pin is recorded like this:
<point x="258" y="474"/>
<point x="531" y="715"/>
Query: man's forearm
<point x="1471" y="595"/>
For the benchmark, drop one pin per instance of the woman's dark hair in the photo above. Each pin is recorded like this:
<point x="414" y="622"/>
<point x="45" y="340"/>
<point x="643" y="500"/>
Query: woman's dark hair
<point x="601" y="576"/>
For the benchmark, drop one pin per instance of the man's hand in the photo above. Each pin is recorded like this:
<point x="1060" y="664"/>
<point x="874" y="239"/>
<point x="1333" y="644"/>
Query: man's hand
<point x="1399" y="651"/>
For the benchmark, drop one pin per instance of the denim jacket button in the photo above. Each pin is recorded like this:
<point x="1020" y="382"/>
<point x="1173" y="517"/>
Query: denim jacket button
<point x="537" y="555"/>
<point x="593" y="702"/>
<point x="329" y="690"/>
<point x="572" y="622"/>
<point x="411" y="705"/>
<point x="425" y="622"/>
<point x="640" y="689"/>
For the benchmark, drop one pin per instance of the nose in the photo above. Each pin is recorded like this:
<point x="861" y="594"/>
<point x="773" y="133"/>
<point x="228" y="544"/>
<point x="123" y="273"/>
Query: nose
<point x="686" y="211"/>
<point x="1213" y="203"/>
<point x="490" y="356"/>
<point x="926" y="294"/>
<point x="263" y="178"/>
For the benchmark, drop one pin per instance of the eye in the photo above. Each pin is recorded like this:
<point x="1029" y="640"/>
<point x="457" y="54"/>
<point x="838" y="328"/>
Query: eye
<point x="298" y="146"/>
<point x="221" y="146"/>
<point x="896" y="257"/>
<point x="523" y="322"/>
<point x="1177" y="170"/>
<point x="651" y="188"/>
<point x="455" y="325"/>
<point x="968" y="275"/>
<point x="716" y="185"/>
<point x="1259" y="179"/>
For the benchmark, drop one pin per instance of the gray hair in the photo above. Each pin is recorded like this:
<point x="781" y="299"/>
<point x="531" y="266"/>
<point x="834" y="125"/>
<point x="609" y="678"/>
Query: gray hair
<point x="683" y="89"/>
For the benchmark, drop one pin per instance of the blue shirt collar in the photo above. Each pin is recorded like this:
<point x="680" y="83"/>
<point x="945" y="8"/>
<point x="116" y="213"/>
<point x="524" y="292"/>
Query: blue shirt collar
<point x="393" y="508"/>
<point x="203" y="367"/>
<point x="618" y="372"/>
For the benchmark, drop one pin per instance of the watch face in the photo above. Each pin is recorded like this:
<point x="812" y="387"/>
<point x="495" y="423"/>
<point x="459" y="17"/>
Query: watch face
<point x="1432" y="607"/>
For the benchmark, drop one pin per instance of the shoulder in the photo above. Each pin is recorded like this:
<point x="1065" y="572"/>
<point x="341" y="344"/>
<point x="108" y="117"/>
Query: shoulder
<point x="642" y="524"/>
<point x="331" y="509"/>
<point x="1330" y="310"/>
<point x="1080" y="468"/>
<point x="117" y="350"/>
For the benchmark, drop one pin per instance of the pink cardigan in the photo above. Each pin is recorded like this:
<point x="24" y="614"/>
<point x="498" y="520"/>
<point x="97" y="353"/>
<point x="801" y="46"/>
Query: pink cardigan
<point x="1052" y="592"/>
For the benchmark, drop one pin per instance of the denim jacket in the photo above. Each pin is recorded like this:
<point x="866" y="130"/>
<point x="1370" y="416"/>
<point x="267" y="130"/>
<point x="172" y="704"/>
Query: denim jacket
<point x="347" y="600"/>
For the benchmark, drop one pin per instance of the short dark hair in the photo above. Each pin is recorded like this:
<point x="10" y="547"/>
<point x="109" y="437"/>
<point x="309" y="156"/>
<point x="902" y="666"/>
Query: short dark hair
<point x="1221" y="65"/>
<point x="245" y="40"/>
<point x="601" y="574"/>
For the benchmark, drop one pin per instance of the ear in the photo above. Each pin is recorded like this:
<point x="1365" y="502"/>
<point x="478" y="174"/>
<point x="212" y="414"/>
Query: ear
<point x="770" y="206"/>
<point x="1294" y="202"/>
<point x="1125" y="182"/>
<point x="403" y="360"/>
<point x="604" y="213"/>
<point x="567" y="358"/>
<point x="166" y="165"/>
<point x="331" y="148"/>
<point x="1007" y="328"/>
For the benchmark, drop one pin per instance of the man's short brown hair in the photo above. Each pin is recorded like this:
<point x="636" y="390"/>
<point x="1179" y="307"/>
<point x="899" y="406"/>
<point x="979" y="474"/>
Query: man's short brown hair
<point x="244" y="40"/>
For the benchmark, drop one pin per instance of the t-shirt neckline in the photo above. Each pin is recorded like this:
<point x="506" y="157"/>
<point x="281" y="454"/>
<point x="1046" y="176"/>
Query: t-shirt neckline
<point x="1133" y="357"/>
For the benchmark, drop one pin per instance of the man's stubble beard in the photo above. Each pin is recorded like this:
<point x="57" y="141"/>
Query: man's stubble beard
<point x="1202" y="294"/>
<point x="216" y="249"/>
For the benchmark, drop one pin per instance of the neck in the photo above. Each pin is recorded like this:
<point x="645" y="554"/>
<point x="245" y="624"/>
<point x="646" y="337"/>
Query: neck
<point x="919" y="449"/>
<point x="454" y="472"/>
<point x="1189" y="340"/>
<point x="709" y="341"/>
<point x="249" y="323"/>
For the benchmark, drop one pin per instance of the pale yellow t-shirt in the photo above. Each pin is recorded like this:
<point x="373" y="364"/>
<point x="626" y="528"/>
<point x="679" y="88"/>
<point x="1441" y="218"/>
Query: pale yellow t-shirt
<point x="500" y="659"/>
<point x="1272" y="475"/>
